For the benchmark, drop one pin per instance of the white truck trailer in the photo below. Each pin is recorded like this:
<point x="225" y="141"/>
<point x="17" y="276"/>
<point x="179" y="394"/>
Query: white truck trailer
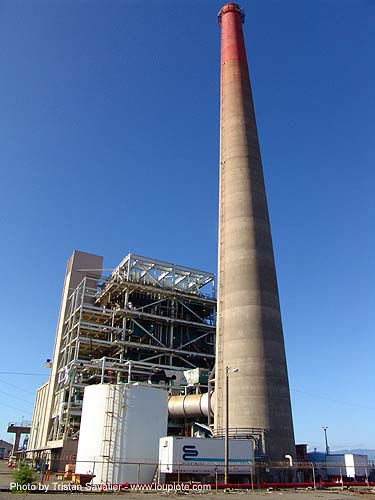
<point x="204" y="456"/>
<point x="348" y="465"/>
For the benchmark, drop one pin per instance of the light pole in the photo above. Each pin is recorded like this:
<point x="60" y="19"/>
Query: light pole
<point x="325" y="435"/>
<point x="228" y="370"/>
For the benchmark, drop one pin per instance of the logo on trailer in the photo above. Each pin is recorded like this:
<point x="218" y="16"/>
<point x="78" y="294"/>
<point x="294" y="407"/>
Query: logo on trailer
<point x="190" y="451"/>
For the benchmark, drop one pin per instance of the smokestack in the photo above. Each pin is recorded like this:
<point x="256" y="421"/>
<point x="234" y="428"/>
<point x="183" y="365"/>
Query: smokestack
<point x="249" y="335"/>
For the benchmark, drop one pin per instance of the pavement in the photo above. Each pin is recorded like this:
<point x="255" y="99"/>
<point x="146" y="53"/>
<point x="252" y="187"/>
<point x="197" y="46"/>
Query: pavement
<point x="6" y="475"/>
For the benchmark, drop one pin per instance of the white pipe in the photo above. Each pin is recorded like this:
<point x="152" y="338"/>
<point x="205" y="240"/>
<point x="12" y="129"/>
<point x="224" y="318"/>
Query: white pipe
<point x="190" y="405"/>
<point x="129" y="370"/>
<point x="290" y="458"/>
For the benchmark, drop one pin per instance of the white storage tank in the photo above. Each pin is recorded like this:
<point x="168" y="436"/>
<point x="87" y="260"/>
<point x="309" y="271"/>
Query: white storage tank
<point x="204" y="456"/>
<point x="120" y="430"/>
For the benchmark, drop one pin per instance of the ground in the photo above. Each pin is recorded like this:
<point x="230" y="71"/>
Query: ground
<point x="282" y="495"/>
<point x="6" y="477"/>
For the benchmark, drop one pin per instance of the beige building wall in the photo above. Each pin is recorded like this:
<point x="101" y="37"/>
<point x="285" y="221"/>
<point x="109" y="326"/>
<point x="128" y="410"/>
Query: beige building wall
<point x="39" y="418"/>
<point x="78" y="267"/>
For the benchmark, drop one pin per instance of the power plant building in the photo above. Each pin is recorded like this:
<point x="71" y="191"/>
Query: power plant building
<point x="149" y="321"/>
<point x="150" y="326"/>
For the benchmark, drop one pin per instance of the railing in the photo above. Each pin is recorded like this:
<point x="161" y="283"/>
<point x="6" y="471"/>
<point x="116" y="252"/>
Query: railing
<point x="239" y="432"/>
<point x="23" y="423"/>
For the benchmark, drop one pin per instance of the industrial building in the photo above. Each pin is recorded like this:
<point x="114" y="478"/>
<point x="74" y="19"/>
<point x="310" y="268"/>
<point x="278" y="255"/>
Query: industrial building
<point x="148" y="321"/>
<point x="5" y="449"/>
<point x="142" y="340"/>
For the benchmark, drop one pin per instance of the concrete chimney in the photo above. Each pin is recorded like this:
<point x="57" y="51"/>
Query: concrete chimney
<point x="249" y="335"/>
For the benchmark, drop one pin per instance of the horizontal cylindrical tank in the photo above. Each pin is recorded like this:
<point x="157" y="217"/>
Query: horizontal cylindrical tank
<point x="190" y="405"/>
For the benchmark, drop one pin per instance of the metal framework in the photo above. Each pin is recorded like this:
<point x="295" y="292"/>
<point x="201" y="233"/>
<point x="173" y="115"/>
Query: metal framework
<point x="149" y="320"/>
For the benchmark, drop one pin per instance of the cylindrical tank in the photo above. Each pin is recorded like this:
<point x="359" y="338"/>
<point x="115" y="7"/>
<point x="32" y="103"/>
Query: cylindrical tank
<point x="190" y="405"/>
<point x="121" y="426"/>
<point x="249" y="331"/>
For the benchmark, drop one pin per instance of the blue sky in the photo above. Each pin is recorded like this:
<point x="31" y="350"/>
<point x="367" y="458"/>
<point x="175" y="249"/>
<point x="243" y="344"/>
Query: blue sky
<point x="109" y="129"/>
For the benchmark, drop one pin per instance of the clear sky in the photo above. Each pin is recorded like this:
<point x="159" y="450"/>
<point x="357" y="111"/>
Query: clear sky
<point x="109" y="135"/>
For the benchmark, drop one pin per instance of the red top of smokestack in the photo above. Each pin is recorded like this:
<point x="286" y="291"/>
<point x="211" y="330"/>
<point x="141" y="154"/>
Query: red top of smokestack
<point x="231" y="7"/>
<point x="232" y="42"/>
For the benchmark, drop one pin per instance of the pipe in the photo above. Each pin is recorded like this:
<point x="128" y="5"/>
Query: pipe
<point x="129" y="363"/>
<point x="211" y="384"/>
<point x="210" y="411"/>
<point x="290" y="458"/>
<point x="190" y="405"/>
<point x="103" y="370"/>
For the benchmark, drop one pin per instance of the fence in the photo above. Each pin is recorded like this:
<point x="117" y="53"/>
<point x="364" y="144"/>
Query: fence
<point x="249" y="475"/>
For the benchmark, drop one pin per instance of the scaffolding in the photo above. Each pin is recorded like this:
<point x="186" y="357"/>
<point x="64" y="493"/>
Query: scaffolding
<point x="148" y="321"/>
